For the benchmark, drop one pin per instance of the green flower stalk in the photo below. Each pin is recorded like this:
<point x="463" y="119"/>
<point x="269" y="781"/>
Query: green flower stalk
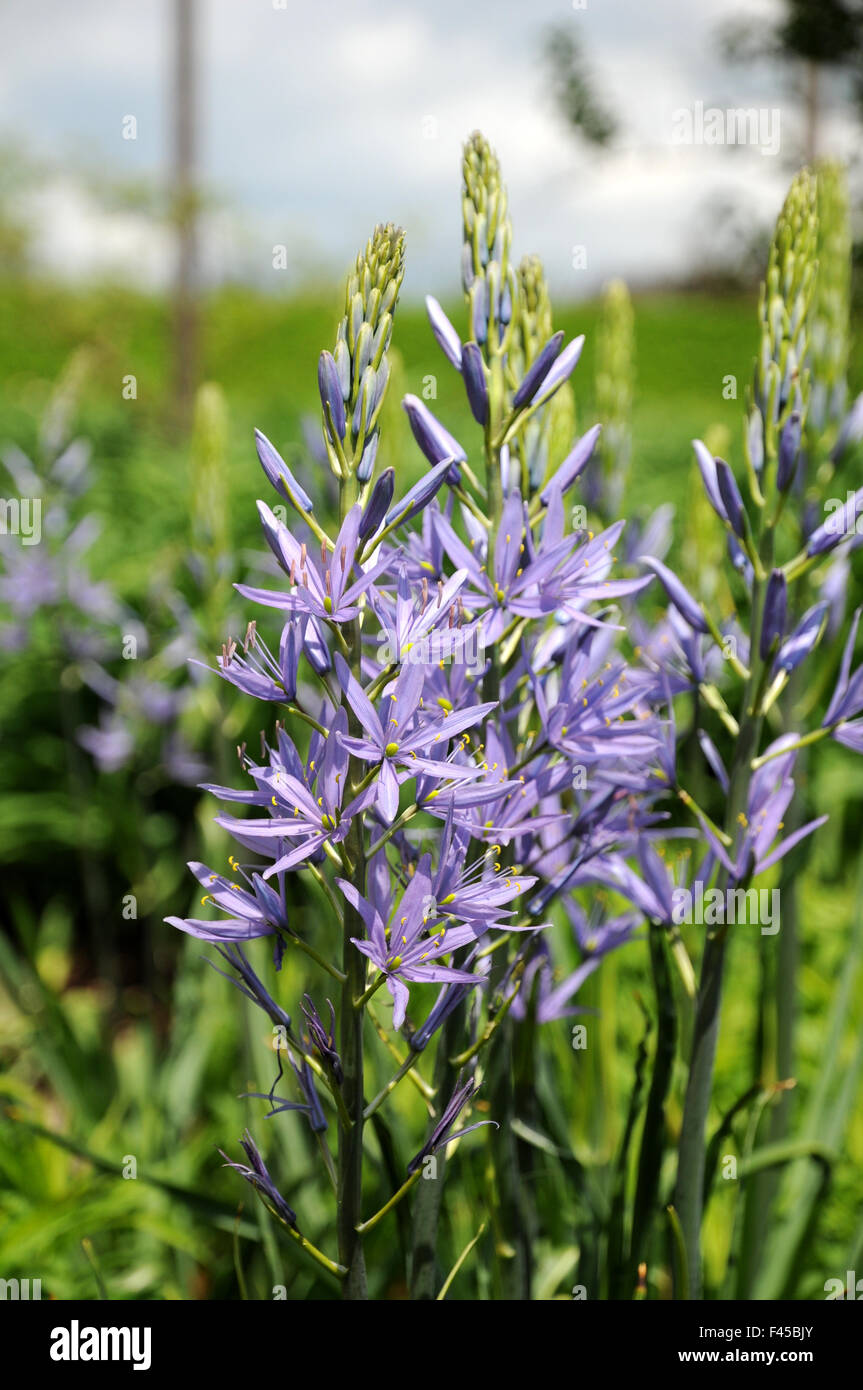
<point x="353" y="379"/>
<point x="490" y="287"/>
<point x="779" y="393"/>
<point x="615" y="369"/>
<point x="487" y="275"/>
<point x="534" y="322"/>
<point x="829" y="332"/>
<point x="362" y="376"/>
<point x="829" y="341"/>
<point x="781" y="377"/>
<point x="210" y="475"/>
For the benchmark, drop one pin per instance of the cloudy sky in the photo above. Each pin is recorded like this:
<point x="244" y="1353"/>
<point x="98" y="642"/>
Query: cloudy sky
<point x="317" y="120"/>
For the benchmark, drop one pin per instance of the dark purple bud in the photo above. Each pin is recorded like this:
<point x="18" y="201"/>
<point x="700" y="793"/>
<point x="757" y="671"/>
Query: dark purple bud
<point x="536" y="374"/>
<point x="562" y="369"/>
<point x="331" y="395"/>
<point x="280" y="474"/>
<point x="435" y="442"/>
<point x="679" y="596"/>
<point x="840" y="524"/>
<point x="731" y="499"/>
<point x="420" y="494"/>
<point x="504" y="312"/>
<point x="376" y="507"/>
<point x="789" y="451"/>
<point x="473" y="371"/>
<point x="804" y="638"/>
<point x="366" y="465"/>
<point x="773" y="618"/>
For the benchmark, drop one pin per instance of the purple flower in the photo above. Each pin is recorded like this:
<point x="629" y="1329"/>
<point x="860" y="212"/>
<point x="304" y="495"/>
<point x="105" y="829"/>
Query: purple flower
<point x="332" y="402"/>
<point x="410" y="945"/>
<point x="533" y="377"/>
<point x="400" y="740"/>
<point x="587" y="722"/>
<point x="651" y="891"/>
<point x="319" y="588"/>
<point x="259" y="912"/>
<point x="475" y="892"/>
<point x="378" y="504"/>
<point x="304" y="804"/>
<point x="707" y="467"/>
<point x="770" y="791"/>
<point x="417" y="498"/>
<point x="550" y="370"/>
<point x="562" y="572"/>
<point x="596" y="936"/>
<point x="258" y="672"/>
<point x="409" y="619"/>
<point x="449" y="999"/>
<point x="561" y="370"/>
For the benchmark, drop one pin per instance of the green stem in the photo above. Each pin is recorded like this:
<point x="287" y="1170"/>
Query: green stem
<point x="653" y="1134"/>
<point x="337" y="1270"/>
<point x="350" y="1150"/>
<point x="689" y="1190"/>
<point x="393" y="1201"/>
<point x="424" y="1262"/>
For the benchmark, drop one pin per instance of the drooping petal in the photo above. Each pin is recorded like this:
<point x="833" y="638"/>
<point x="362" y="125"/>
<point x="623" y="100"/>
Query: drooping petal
<point x="677" y="593"/>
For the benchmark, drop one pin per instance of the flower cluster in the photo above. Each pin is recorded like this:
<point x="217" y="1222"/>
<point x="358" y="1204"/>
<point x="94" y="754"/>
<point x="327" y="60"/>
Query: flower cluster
<point x="453" y="815"/>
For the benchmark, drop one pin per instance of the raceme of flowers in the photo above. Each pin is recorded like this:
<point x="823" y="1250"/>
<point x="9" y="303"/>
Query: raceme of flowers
<point x="472" y="728"/>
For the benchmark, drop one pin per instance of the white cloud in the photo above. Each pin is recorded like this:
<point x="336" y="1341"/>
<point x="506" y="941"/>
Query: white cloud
<point x="312" y="126"/>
